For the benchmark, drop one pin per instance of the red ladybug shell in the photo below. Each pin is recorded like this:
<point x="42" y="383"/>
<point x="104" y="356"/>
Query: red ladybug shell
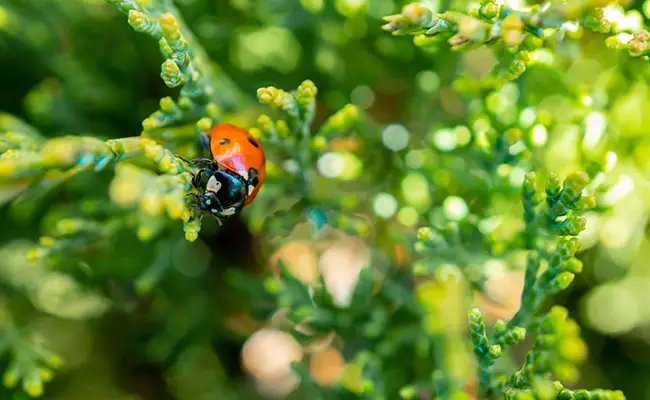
<point x="238" y="151"/>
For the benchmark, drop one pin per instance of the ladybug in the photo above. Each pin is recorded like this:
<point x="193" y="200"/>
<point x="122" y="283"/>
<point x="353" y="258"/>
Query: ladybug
<point x="232" y="178"/>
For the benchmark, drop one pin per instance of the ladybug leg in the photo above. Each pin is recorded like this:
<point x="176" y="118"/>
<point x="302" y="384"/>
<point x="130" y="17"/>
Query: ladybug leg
<point x="183" y="159"/>
<point x="195" y="196"/>
<point x="253" y="177"/>
<point x="211" y="203"/>
<point x="218" y="220"/>
<point x="196" y="179"/>
<point x="253" y="180"/>
<point x="204" y="162"/>
<point x="201" y="162"/>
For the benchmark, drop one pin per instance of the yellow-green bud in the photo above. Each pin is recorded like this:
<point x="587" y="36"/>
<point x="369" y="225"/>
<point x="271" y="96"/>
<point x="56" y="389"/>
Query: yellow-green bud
<point x="425" y="233"/>
<point x="489" y="10"/>
<point x="171" y="74"/>
<point x="576" y="181"/>
<point x="307" y="89"/>
<point x="319" y="143"/>
<point x="272" y="285"/>
<point x="562" y="281"/>
<point x="169" y="26"/>
<point x="204" y="124"/>
<point x="573" y="265"/>
<point x="417" y="14"/>
<point x="495" y="351"/>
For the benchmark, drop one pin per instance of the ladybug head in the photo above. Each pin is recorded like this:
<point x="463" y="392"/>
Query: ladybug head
<point x="224" y="193"/>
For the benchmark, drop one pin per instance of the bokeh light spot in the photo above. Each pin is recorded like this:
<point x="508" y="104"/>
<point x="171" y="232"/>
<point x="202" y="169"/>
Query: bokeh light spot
<point x="384" y="205"/>
<point x="445" y="140"/>
<point x="363" y="97"/>
<point x="415" y="189"/>
<point x="428" y="81"/>
<point x="415" y="159"/>
<point x="408" y="216"/>
<point x="539" y="135"/>
<point x="455" y="208"/>
<point x="395" y="137"/>
<point x="313" y="6"/>
<point x="612" y="309"/>
<point x="331" y="165"/>
<point x="527" y="117"/>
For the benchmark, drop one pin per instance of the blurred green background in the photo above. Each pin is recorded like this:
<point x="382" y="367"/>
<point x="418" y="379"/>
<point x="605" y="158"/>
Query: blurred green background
<point x="76" y="67"/>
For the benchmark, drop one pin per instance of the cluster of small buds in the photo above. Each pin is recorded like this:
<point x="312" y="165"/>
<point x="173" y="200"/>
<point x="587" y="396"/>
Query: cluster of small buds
<point x="596" y="21"/>
<point x="557" y="349"/>
<point x="175" y="40"/>
<point x="531" y="198"/>
<point x="564" y="201"/>
<point x="341" y="122"/>
<point x="169" y="111"/>
<point x="192" y="225"/>
<point x="583" y="394"/>
<point x="414" y="19"/>
<point x="58" y="153"/>
<point x="278" y="98"/>
<point x="273" y="132"/>
<point x="163" y="158"/>
<point x="18" y="141"/>
<point x="639" y="45"/>
<point x="512" y="30"/>
<point x="32" y="366"/>
<point x="153" y="195"/>
<point x="184" y="65"/>
<point x="552" y="214"/>
<point x="306" y="98"/>
<point x="519" y="31"/>
<point x="508" y="336"/>
<point x="166" y="29"/>
<point x="486" y="354"/>
<point x="561" y="200"/>
<point x="293" y="136"/>
<point x="560" y="271"/>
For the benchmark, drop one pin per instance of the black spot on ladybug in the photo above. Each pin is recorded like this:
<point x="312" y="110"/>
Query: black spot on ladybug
<point x="224" y="141"/>
<point x="252" y="177"/>
<point x="253" y="142"/>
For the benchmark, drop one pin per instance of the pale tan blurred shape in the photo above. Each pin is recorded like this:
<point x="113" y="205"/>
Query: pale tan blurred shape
<point x="277" y="388"/>
<point x="268" y="353"/>
<point x="506" y="291"/>
<point x="340" y="265"/>
<point x="326" y="366"/>
<point x="300" y="258"/>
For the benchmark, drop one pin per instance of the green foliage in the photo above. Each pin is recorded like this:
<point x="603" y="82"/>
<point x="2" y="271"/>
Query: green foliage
<point x="488" y="148"/>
